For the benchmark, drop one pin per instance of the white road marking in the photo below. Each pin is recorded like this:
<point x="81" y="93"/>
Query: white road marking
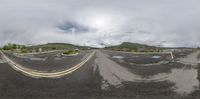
<point x="40" y="74"/>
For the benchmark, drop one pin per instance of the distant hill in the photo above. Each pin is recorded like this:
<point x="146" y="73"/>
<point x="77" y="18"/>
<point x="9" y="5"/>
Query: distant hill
<point x="128" y="46"/>
<point x="58" y="46"/>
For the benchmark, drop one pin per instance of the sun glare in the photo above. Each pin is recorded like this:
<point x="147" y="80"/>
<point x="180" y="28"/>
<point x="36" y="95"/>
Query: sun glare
<point x="100" y="22"/>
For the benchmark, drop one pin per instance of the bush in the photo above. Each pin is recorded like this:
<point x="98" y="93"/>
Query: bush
<point x="24" y="51"/>
<point x="68" y="52"/>
<point x="10" y="46"/>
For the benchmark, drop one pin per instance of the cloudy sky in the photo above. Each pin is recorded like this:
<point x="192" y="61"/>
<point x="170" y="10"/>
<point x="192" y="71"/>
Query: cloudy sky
<point x="99" y="22"/>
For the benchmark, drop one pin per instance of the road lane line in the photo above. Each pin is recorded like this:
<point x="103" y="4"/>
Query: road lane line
<point x="40" y="74"/>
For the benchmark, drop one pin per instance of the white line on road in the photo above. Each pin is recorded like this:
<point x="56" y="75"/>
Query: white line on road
<point x="40" y="74"/>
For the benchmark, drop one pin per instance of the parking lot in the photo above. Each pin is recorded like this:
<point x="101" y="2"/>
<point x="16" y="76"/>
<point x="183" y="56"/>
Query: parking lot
<point x="48" y="62"/>
<point x="107" y="75"/>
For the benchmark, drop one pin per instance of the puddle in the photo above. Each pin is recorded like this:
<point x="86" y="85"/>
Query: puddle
<point x="37" y="59"/>
<point x="118" y="57"/>
<point x="156" y="57"/>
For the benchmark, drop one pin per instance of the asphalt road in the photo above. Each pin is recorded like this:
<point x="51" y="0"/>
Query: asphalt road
<point x="144" y="65"/>
<point x="82" y="83"/>
<point x="192" y="58"/>
<point x="48" y="62"/>
<point x="104" y="78"/>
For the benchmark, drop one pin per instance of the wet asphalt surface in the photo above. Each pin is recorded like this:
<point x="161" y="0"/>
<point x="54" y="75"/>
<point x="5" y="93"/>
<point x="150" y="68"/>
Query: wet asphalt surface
<point x="82" y="83"/>
<point x="49" y="61"/>
<point x="138" y="64"/>
<point x="85" y="83"/>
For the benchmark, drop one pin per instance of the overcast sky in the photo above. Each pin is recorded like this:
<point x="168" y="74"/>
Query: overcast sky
<point x="97" y="22"/>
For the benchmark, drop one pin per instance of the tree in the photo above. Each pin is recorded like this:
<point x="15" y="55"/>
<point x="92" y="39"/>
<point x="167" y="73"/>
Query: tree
<point x="10" y="46"/>
<point x="6" y="47"/>
<point x="14" y="46"/>
<point x="23" y="47"/>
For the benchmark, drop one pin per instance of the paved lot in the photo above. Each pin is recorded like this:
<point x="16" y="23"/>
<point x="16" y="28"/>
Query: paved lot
<point x="144" y="65"/>
<point x="48" y="62"/>
<point x="105" y="78"/>
<point x="191" y="58"/>
<point x="14" y="85"/>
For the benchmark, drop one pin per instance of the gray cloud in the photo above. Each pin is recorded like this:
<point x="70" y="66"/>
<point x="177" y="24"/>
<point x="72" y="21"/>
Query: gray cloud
<point x="93" y="22"/>
<point x="73" y="27"/>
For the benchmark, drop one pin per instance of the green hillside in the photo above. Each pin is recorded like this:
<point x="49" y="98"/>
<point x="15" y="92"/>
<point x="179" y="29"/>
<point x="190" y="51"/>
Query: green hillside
<point x="127" y="46"/>
<point x="58" y="46"/>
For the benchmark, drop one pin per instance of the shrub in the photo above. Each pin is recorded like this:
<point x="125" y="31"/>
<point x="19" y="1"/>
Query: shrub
<point x="24" y="51"/>
<point x="68" y="52"/>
